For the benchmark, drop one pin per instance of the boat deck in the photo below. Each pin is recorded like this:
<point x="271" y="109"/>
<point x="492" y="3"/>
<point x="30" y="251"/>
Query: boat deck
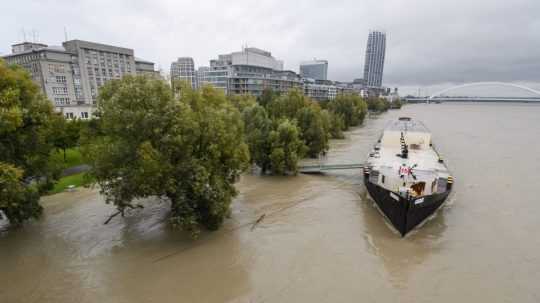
<point x="426" y="160"/>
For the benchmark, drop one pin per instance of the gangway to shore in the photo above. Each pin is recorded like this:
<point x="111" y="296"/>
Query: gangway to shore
<point x="320" y="168"/>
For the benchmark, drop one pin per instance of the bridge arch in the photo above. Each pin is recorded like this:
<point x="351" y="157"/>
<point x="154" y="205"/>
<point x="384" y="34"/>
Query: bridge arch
<point x="482" y="84"/>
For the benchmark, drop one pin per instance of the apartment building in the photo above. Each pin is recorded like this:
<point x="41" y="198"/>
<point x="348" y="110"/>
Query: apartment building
<point x="183" y="69"/>
<point x="71" y="75"/>
<point x="249" y="71"/>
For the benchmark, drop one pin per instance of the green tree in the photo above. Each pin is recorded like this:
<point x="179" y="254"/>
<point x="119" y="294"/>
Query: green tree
<point x="314" y="129"/>
<point x="65" y="133"/>
<point x="361" y="108"/>
<point x="258" y="127"/>
<point x="286" y="148"/>
<point x="334" y="123"/>
<point x="18" y="200"/>
<point x="25" y="146"/>
<point x="351" y="108"/>
<point x="242" y="101"/>
<point x="267" y="96"/>
<point x="396" y="104"/>
<point x="188" y="148"/>
<point x="288" y="105"/>
<point x="378" y="104"/>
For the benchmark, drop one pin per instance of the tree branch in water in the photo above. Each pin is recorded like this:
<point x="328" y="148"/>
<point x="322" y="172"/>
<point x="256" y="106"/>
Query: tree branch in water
<point x="122" y="212"/>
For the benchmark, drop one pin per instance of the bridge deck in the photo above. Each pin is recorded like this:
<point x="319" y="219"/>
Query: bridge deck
<point x="314" y="169"/>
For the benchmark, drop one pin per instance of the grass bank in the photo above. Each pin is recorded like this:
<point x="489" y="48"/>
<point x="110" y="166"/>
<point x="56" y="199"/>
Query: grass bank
<point x="73" y="157"/>
<point x="76" y="180"/>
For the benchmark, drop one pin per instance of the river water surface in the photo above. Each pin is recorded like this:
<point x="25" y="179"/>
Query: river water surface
<point x="321" y="239"/>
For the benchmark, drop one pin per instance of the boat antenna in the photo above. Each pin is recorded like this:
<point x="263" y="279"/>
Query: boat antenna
<point x="404" y="149"/>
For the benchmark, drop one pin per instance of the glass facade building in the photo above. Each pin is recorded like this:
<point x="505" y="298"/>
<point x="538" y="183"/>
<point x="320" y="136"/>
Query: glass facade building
<point x="249" y="71"/>
<point x="183" y="69"/>
<point x="316" y="69"/>
<point x="374" y="61"/>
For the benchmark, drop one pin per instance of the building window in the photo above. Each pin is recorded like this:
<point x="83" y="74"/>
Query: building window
<point x="69" y="116"/>
<point x="61" y="79"/>
<point x="56" y="68"/>
<point x="84" y="115"/>
<point x="60" y="90"/>
<point x="61" y="101"/>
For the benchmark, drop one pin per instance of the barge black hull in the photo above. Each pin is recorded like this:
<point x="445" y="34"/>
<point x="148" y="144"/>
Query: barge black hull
<point x="405" y="214"/>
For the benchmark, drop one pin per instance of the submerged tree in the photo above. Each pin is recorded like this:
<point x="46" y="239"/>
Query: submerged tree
<point x="288" y="105"/>
<point x="334" y="123"/>
<point x="257" y="128"/>
<point x="25" y="147"/>
<point x="351" y="108"/>
<point x="286" y="148"/>
<point x="314" y="129"/>
<point x="377" y="104"/>
<point x="189" y="149"/>
<point x="18" y="200"/>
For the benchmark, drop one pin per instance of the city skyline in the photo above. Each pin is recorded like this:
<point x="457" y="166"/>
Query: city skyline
<point x="428" y="45"/>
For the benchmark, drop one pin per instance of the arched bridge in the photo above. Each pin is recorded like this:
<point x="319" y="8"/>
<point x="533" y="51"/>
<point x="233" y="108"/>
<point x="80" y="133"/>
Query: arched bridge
<point x="438" y="96"/>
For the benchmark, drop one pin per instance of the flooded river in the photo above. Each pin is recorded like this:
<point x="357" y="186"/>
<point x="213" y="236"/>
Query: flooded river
<point x="321" y="239"/>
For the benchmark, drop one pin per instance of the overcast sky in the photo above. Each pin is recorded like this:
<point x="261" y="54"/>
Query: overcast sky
<point x="430" y="43"/>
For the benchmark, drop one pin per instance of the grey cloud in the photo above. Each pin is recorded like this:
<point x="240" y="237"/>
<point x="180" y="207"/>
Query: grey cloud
<point x="430" y="42"/>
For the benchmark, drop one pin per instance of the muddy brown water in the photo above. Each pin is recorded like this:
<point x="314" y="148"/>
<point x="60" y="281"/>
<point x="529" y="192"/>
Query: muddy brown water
<point x="321" y="239"/>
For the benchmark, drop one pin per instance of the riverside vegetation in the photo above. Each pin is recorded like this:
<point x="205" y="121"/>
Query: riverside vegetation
<point x="36" y="144"/>
<point x="185" y="146"/>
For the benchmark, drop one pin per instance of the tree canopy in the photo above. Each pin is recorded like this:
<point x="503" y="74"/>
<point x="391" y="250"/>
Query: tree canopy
<point x="187" y="148"/>
<point x="351" y="108"/>
<point x="26" y="126"/>
<point x="378" y="104"/>
<point x="282" y="129"/>
<point x="66" y="133"/>
<point x="286" y="147"/>
<point x="258" y="127"/>
<point x="315" y="130"/>
<point x="287" y="105"/>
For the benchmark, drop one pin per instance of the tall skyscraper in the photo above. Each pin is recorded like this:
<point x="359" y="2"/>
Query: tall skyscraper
<point x="374" y="64"/>
<point x="184" y="69"/>
<point x="315" y="69"/>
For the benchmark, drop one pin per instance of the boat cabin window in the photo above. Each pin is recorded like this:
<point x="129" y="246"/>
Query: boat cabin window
<point x="382" y="179"/>
<point x="418" y="188"/>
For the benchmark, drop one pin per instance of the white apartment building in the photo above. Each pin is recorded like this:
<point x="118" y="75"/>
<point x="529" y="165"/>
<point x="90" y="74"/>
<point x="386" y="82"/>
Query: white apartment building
<point x="183" y="69"/>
